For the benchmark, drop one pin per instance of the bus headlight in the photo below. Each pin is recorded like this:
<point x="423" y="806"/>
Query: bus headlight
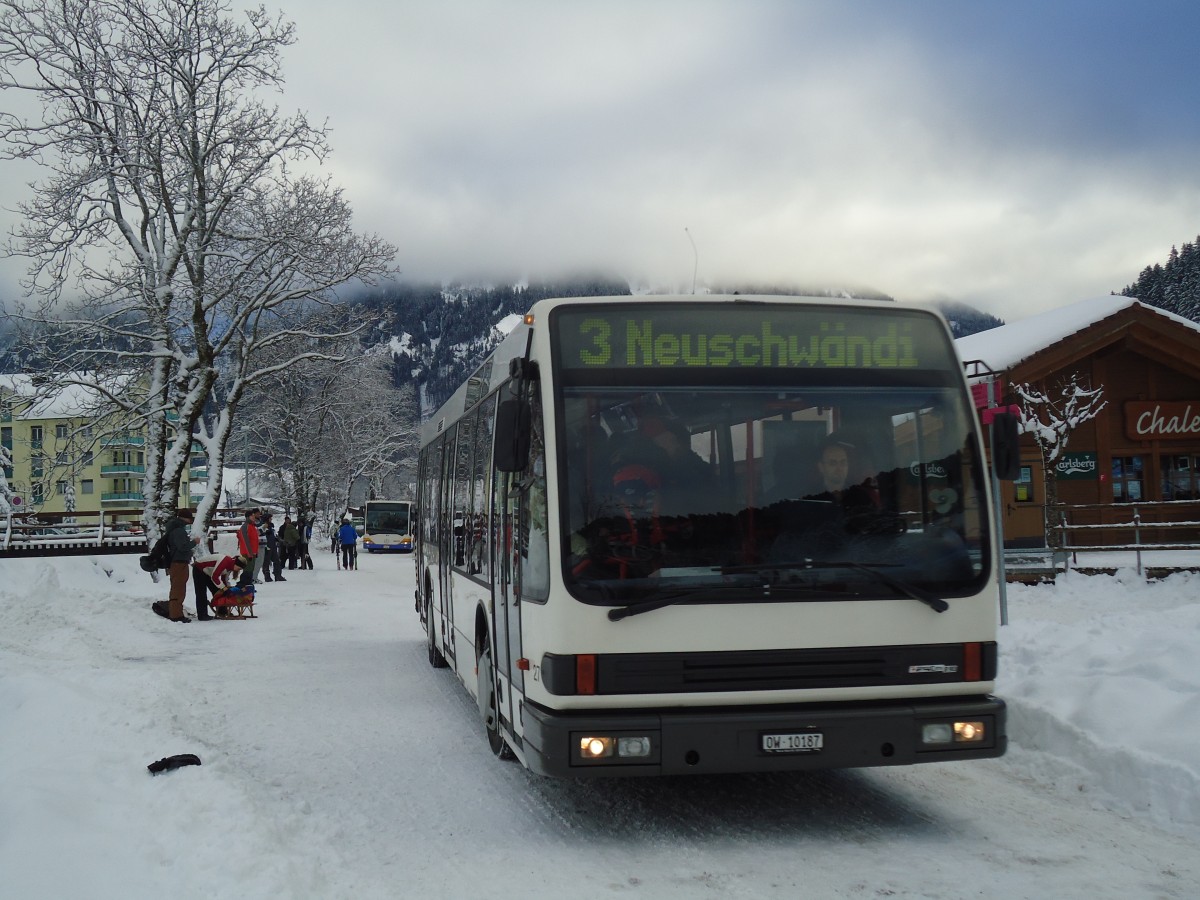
<point x="591" y="747"/>
<point x="938" y="733"/>
<point x="969" y="732"/>
<point x="594" y="747"/>
<point x="972" y="732"/>
<point x="633" y="746"/>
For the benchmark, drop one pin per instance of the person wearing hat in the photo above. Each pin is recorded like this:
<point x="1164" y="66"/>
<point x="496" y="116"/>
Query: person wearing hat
<point x="181" y="544"/>
<point x="687" y="484"/>
<point x="631" y="542"/>
<point x="212" y="573"/>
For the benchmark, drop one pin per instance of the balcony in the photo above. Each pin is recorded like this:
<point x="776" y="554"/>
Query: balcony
<point x="122" y="498"/>
<point x="198" y="474"/>
<point x="119" y="469"/>
<point x="123" y="440"/>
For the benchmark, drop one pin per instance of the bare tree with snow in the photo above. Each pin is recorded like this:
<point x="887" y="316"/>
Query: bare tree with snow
<point x="321" y="428"/>
<point x="6" y="491"/>
<point x="1050" y="419"/>
<point x="172" y="199"/>
<point x="381" y="448"/>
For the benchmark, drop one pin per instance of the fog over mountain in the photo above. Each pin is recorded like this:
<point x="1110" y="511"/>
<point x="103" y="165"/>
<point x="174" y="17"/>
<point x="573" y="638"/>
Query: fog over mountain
<point x="438" y="333"/>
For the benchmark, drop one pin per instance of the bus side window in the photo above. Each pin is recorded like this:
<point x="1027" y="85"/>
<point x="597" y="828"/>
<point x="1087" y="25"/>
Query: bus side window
<point x="430" y="464"/>
<point x="464" y="489"/>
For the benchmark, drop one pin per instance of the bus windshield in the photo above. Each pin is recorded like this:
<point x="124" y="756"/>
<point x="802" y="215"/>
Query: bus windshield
<point x="387" y="517"/>
<point x="777" y="483"/>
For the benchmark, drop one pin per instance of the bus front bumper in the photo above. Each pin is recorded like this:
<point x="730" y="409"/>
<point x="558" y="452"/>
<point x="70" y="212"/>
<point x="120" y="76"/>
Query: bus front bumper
<point x="712" y="740"/>
<point x="401" y="547"/>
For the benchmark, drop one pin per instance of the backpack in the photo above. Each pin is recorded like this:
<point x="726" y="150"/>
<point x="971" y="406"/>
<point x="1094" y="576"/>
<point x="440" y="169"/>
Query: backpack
<point x="159" y="556"/>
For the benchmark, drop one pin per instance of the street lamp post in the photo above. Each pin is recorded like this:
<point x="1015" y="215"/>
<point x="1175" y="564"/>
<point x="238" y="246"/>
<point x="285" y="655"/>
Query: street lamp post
<point x="695" y="257"/>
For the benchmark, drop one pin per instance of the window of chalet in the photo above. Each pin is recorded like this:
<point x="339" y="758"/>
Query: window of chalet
<point x="1127" y="479"/>
<point x="1179" y="477"/>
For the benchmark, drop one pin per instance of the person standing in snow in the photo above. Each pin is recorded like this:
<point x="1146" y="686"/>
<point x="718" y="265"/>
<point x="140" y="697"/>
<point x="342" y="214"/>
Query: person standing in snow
<point x="273" y="562"/>
<point x="348" y="537"/>
<point x="305" y="538"/>
<point x="181" y="545"/>
<point x="289" y="537"/>
<point x="247" y="537"/>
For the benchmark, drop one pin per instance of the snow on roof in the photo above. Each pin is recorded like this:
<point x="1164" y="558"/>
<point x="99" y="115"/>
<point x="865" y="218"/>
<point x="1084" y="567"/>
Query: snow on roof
<point x="1003" y="347"/>
<point x="508" y="323"/>
<point x="58" y="402"/>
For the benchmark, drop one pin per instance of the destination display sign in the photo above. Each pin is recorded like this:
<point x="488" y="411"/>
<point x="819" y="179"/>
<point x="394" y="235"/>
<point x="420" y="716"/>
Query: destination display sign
<point x="749" y="336"/>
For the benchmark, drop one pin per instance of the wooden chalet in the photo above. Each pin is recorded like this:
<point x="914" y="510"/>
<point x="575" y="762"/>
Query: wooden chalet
<point x="1133" y="466"/>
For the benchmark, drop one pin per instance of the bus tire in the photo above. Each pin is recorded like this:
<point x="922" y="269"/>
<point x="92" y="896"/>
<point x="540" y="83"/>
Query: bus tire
<point x="436" y="659"/>
<point x="488" y="707"/>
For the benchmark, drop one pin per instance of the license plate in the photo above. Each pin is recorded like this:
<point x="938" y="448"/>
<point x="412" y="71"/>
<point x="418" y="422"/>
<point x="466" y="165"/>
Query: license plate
<point x="803" y="742"/>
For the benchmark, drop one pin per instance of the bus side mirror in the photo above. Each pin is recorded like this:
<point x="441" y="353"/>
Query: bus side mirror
<point x="513" y="428"/>
<point x="1006" y="446"/>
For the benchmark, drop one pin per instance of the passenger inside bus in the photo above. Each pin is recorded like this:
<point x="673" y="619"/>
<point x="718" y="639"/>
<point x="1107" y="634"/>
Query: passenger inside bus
<point x="687" y="481"/>
<point x="628" y="541"/>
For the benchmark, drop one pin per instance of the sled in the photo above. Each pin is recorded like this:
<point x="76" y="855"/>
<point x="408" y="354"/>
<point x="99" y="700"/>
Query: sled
<point x="233" y="603"/>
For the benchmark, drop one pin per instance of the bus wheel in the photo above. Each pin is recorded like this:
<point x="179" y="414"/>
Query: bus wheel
<point x="435" y="655"/>
<point x="488" y="708"/>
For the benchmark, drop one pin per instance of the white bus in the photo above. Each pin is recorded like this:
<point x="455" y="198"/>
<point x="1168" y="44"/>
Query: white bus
<point x="388" y="525"/>
<point x="674" y="535"/>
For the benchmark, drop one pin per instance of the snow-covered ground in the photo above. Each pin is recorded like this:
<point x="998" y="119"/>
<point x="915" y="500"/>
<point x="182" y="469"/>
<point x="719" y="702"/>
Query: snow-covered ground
<point x="337" y="764"/>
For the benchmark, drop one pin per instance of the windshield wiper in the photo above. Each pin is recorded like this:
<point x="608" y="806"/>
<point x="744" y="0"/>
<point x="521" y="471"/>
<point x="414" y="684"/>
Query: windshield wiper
<point x="669" y="597"/>
<point x="937" y="604"/>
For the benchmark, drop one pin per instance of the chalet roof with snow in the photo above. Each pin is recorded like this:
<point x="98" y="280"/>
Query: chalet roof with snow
<point x="1041" y="344"/>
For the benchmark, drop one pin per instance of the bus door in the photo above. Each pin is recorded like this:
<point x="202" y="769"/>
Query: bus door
<point x="525" y="556"/>
<point x="506" y="609"/>
<point x="446" y="539"/>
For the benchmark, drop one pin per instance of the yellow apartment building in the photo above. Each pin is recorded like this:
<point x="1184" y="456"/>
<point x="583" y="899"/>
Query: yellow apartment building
<point x="68" y="459"/>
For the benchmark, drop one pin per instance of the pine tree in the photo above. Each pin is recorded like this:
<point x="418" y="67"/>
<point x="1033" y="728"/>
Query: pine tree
<point x="1175" y="286"/>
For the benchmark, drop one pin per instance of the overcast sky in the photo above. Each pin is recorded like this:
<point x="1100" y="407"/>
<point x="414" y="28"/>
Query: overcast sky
<point x="1016" y="156"/>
